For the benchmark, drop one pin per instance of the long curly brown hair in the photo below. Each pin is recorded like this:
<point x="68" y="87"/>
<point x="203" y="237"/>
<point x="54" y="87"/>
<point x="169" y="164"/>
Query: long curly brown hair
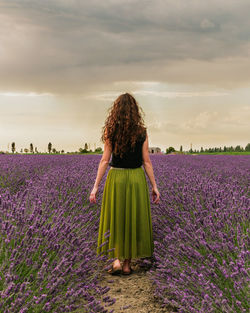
<point x="124" y="124"/>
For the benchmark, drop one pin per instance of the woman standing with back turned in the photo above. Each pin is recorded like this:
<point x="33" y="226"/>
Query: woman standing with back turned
<point x="125" y="210"/>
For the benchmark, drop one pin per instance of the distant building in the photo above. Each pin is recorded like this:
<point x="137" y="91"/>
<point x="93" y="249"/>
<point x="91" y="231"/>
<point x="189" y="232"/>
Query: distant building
<point x="155" y="150"/>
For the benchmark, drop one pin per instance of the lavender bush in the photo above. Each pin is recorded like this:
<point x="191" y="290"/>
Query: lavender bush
<point x="201" y="233"/>
<point x="48" y="233"/>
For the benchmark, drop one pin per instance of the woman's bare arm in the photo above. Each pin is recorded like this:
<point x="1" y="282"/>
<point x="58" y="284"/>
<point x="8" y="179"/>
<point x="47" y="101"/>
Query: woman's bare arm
<point x="149" y="170"/>
<point x="147" y="163"/>
<point x="103" y="162"/>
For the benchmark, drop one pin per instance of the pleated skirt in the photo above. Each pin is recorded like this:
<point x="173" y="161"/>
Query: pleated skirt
<point x="125" y="227"/>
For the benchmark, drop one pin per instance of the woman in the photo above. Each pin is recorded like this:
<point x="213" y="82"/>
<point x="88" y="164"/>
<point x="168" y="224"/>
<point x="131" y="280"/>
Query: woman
<point x="125" y="210"/>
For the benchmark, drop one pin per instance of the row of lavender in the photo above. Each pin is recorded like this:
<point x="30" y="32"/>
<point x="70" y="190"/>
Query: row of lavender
<point x="200" y="229"/>
<point x="49" y="231"/>
<point x="48" y="235"/>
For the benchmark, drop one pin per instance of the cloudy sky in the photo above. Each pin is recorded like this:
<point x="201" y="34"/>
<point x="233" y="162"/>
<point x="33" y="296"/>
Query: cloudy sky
<point x="64" y="62"/>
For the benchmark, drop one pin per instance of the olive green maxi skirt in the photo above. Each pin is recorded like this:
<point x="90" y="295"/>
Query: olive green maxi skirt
<point x="125" y="215"/>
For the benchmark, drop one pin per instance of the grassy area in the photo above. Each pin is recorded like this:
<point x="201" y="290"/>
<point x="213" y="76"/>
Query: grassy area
<point x="176" y="152"/>
<point x="46" y="153"/>
<point x="223" y="153"/>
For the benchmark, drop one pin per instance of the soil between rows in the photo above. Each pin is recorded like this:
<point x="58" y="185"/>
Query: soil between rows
<point x="133" y="293"/>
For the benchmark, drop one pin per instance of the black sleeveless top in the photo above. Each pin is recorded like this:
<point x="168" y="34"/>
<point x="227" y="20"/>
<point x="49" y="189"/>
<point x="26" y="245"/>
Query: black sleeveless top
<point x="132" y="159"/>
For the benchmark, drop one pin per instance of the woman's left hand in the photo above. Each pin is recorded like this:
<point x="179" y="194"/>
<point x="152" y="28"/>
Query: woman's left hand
<point x="92" y="197"/>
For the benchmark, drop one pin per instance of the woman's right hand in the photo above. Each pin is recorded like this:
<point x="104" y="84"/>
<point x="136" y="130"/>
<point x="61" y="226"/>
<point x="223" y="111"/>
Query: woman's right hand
<point x="156" y="195"/>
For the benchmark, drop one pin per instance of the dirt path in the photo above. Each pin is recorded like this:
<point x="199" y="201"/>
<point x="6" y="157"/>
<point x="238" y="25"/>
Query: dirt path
<point x="133" y="293"/>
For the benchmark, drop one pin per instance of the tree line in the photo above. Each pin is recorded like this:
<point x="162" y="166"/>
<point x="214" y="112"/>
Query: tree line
<point x="53" y="150"/>
<point x="237" y="148"/>
<point x="87" y="149"/>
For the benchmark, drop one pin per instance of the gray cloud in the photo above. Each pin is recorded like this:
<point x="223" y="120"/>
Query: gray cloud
<point x="207" y="128"/>
<point x="79" y="46"/>
<point x="63" y="62"/>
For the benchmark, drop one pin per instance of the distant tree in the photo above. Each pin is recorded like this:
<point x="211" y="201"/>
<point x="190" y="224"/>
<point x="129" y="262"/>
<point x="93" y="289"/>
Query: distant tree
<point x="224" y="149"/>
<point x="54" y="150"/>
<point x="49" y="147"/>
<point x="36" y="150"/>
<point x="202" y="149"/>
<point x="62" y="151"/>
<point x="170" y="149"/>
<point x="98" y="149"/>
<point x="21" y="151"/>
<point x="180" y="148"/>
<point x="31" y="148"/>
<point x="81" y="150"/>
<point x="13" y="147"/>
<point x="247" y="147"/>
<point x="86" y="146"/>
<point x="26" y="150"/>
<point x="237" y="148"/>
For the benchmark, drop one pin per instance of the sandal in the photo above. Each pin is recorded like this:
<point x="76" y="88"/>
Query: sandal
<point x="113" y="271"/>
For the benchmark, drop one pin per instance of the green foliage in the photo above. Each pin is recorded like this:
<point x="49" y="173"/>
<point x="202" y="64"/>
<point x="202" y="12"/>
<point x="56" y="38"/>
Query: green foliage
<point x="98" y="149"/>
<point x="49" y="147"/>
<point x="170" y="149"/>
<point x="13" y="147"/>
<point x="247" y="148"/>
<point x="83" y="150"/>
<point x="31" y="148"/>
<point x="227" y="150"/>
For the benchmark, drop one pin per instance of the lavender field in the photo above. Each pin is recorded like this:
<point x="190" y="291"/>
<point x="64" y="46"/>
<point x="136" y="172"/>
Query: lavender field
<point x="48" y="234"/>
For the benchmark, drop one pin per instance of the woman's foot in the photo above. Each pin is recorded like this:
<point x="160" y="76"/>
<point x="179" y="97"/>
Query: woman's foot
<point x="116" y="268"/>
<point x="126" y="269"/>
<point x="117" y="265"/>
